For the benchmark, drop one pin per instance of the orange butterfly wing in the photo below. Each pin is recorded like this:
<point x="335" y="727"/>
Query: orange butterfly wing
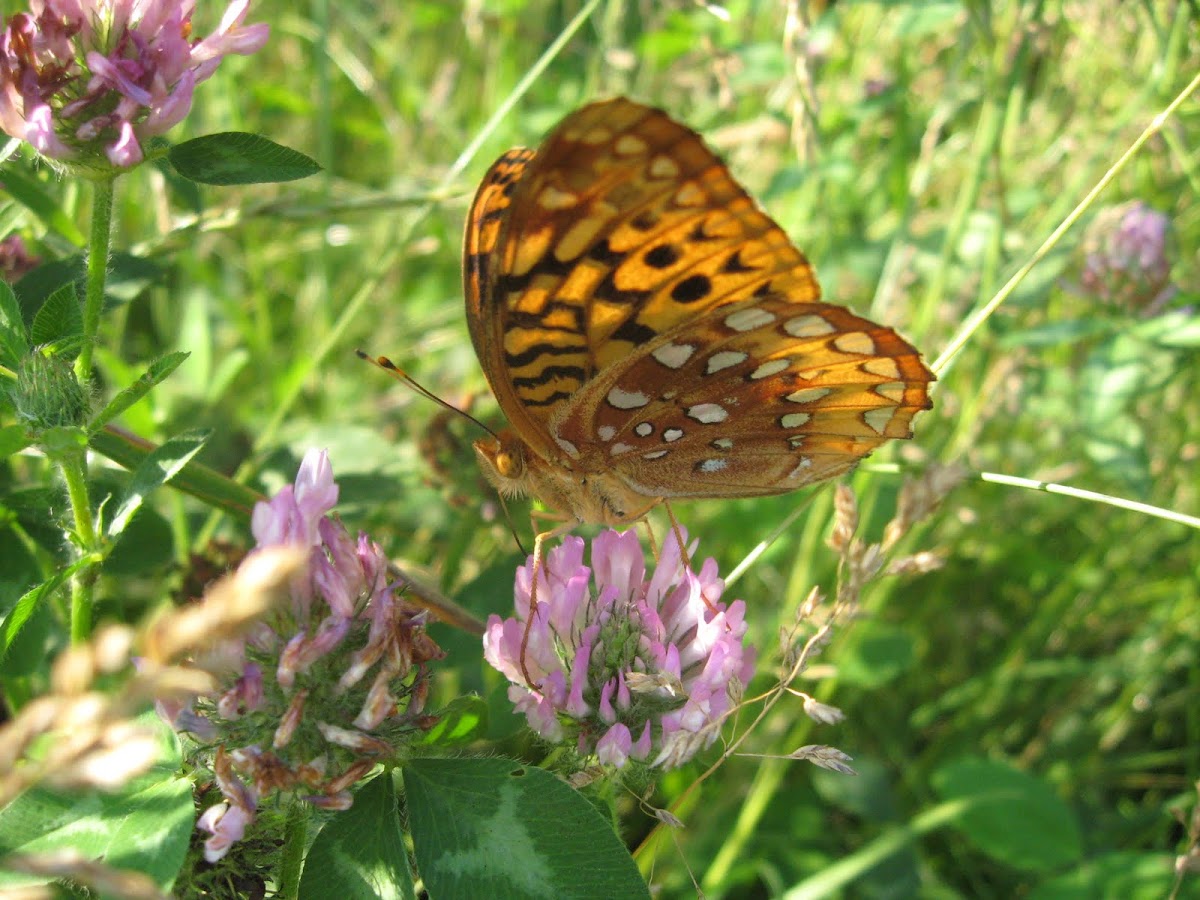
<point x="642" y="322"/>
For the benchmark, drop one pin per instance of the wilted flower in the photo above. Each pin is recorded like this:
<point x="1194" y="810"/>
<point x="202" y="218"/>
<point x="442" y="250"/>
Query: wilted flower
<point x="1128" y="261"/>
<point x="78" y="77"/>
<point x="627" y="667"/>
<point x="314" y="698"/>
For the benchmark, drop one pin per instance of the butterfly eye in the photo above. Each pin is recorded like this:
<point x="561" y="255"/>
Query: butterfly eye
<point x="508" y="464"/>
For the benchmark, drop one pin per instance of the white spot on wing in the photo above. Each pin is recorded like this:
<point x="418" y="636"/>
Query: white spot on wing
<point x="879" y="418"/>
<point x="622" y="399"/>
<point x="673" y="356"/>
<point x="689" y="195"/>
<point x="672" y="434"/>
<point x="655" y="454"/>
<point x="883" y="366"/>
<point x="724" y="360"/>
<point x="893" y="390"/>
<point x="808" y="395"/>
<point x="643" y="429"/>
<point x="553" y="199"/>
<point x="854" y="342"/>
<point x="713" y="465"/>
<point x="597" y="134"/>
<point x="568" y="447"/>
<point x="794" y="420"/>
<point x="722" y="444"/>
<point x="620" y="447"/>
<point x="708" y="413"/>
<point x="749" y="319"/>
<point x="606" y="433"/>
<point x="767" y="369"/>
<point x="629" y="145"/>
<point x="803" y="466"/>
<point x="663" y="167"/>
<point x="808" y="326"/>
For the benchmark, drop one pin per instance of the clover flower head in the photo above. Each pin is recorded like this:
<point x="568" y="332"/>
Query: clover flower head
<point x="315" y="697"/>
<point x="85" y="80"/>
<point x="628" y="667"/>
<point x="1127" y="261"/>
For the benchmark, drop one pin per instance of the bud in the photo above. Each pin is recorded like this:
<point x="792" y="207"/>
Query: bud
<point x="47" y="393"/>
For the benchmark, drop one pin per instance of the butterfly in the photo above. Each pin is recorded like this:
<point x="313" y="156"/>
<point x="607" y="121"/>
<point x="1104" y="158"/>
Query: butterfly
<point x="651" y="334"/>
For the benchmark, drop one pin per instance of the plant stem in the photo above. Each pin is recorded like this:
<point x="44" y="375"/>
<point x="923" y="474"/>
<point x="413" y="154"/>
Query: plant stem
<point x="74" y="465"/>
<point x="97" y="270"/>
<point x="295" y="833"/>
<point x="74" y="469"/>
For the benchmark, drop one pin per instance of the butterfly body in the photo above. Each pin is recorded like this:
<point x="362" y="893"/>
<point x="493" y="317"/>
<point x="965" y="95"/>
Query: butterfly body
<point x="650" y="333"/>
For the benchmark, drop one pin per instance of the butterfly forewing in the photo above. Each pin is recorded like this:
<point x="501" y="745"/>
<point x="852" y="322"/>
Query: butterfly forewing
<point x="641" y="320"/>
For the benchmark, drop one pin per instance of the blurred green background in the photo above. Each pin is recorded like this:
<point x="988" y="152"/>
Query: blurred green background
<point x="918" y="153"/>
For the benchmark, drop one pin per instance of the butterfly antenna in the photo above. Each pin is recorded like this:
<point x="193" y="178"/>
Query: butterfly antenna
<point x="399" y="374"/>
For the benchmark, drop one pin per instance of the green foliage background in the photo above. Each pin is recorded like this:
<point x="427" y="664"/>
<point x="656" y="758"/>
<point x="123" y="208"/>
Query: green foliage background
<point x="918" y="153"/>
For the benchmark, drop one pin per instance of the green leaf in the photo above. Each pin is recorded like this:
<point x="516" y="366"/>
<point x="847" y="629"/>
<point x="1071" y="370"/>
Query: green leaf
<point x="1173" y="329"/>
<point x="876" y="654"/>
<point x="12" y="440"/>
<point x="1126" y="874"/>
<point x="234" y="157"/>
<point x="360" y="853"/>
<point x="146" y="546"/>
<point x="32" y="194"/>
<point x="158" y="371"/>
<point x="157" y="469"/>
<point x="480" y="829"/>
<point x="1000" y="797"/>
<point x="14" y="343"/>
<point x="462" y="721"/>
<point x="213" y="488"/>
<point x="144" y="827"/>
<point x="41" y="514"/>
<point x="128" y="276"/>
<point x="60" y="320"/>
<point x="31" y="600"/>
<point x="25" y="659"/>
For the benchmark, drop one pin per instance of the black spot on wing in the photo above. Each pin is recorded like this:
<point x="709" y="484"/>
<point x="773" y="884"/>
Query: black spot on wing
<point x="601" y="252"/>
<point x="635" y="332"/>
<point x="662" y="257"/>
<point x="691" y="289"/>
<point x="734" y="264"/>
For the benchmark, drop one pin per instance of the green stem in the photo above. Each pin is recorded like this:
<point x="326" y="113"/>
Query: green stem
<point x="97" y="270"/>
<point x="74" y="465"/>
<point x="291" y="864"/>
<point x="74" y="469"/>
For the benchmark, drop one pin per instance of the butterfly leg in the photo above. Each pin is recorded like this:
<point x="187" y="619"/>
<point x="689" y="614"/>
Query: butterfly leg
<point x="540" y="537"/>
<point x="678" y="532"/>
<point x="644" y="521"/>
